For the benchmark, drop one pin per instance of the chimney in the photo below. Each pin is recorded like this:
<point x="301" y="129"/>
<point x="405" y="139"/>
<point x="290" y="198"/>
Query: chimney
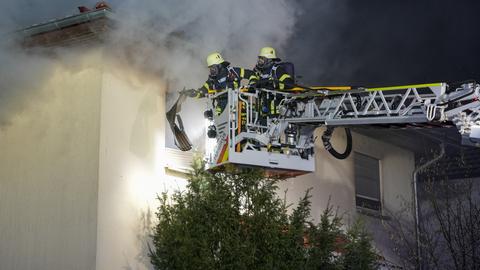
<point x="102" y="5"/>
<point x="83" y="9"/>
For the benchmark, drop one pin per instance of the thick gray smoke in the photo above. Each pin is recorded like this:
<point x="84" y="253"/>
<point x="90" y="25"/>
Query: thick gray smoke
<point x="169" y="39"/>
<point x="20" y="75"/>
<point x="173" y="37"/>
<point x="22" y="71"/>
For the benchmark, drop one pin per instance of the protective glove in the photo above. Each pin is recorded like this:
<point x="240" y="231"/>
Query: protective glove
<point x="252" y="85"/>
<point x="189" y="92"/>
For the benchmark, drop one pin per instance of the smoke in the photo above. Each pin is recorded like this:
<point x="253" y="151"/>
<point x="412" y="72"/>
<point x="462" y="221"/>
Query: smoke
<point x="20" y="75"/>
<point x="167" y="39"/>
<point x="25" y="72"/>
<point x="171" y="39"/>
<point x="330" y="42"/>
<point x="16" y="14"/>
<point x="22" y="71"/>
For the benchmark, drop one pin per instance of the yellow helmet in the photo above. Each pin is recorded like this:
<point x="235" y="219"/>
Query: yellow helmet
<point x="214" y="59"/>
<point x="268" y="52"/>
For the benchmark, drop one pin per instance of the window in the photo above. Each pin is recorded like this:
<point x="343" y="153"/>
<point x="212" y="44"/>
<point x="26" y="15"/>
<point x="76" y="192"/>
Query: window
<point x="367" y="183"/>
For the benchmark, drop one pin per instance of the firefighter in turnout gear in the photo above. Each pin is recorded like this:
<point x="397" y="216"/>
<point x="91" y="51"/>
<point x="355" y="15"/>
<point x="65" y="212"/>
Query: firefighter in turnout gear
<point x="271" y="75"/>
<point x="221" y="77"/>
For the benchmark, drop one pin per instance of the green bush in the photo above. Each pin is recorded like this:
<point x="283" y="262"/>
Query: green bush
<point x="359" y="253"/>
<point x="236" y="220"/>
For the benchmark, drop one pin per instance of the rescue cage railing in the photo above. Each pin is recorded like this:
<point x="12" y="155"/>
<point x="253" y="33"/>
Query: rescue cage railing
<point x="435" y="104"/>
<point x="337" y="108"/>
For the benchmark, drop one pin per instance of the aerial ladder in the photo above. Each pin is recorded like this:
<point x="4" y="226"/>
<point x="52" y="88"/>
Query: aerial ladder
<point x="275" y="129"/>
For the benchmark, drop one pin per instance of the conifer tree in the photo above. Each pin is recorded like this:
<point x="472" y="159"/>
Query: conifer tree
<point x="236" y="220"/>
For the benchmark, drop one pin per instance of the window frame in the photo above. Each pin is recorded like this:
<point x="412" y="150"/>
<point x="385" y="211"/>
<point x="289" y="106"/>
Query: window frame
<point x="362" y="209"/>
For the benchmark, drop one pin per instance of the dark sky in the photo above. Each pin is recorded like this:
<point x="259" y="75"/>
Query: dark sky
<point x="372" y="42"/>
<point x="358" y="42"/>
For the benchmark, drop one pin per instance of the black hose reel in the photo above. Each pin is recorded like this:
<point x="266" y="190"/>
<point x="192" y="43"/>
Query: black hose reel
<point x="327" y="135"/>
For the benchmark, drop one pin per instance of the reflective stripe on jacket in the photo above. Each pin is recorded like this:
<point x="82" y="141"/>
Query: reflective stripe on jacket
<point x="230" y="79"/>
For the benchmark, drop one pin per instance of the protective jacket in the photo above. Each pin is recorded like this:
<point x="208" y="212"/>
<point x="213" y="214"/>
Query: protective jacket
<point x="274" y="78"/>
<point x="229" y="77"/>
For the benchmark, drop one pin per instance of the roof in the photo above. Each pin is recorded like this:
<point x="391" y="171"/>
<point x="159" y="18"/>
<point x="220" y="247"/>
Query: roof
<point x="461" y="161"/>
<point x="77" y="28"/>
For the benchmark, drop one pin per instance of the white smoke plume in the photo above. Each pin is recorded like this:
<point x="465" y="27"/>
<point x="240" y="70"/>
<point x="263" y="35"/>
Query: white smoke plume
<point x="169" y="38"/>
<point x="21" y="73"/>
<point x="172" y="38"/>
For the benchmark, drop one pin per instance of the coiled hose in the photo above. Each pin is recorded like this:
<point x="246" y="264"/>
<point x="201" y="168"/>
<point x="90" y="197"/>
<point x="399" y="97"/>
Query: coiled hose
<point x="327" y="135"/>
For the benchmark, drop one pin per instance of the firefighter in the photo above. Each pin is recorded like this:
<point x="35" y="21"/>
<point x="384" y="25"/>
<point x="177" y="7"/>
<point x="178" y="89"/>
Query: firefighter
<point x="271" y="75"/>
<point x="221" y="77"/>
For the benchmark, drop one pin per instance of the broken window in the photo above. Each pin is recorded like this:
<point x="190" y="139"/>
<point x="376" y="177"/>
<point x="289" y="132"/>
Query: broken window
<point x="367" y="182"/>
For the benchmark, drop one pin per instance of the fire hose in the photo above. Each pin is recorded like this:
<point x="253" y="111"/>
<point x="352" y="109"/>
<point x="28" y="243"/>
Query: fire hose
<point x="327" y="135"/>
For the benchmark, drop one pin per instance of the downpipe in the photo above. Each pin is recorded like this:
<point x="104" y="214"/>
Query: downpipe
<point x="415" y="199"/>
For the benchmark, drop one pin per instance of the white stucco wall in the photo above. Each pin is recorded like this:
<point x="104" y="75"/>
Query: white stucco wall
<point x="81" y="166"/>
<point x="49" y="170"/>
<point x="131" y="166"/>
<point x="335" y="179"/>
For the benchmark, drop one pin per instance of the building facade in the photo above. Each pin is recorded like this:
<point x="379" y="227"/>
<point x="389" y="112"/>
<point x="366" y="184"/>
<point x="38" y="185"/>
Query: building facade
<point x="82" y="164"/>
